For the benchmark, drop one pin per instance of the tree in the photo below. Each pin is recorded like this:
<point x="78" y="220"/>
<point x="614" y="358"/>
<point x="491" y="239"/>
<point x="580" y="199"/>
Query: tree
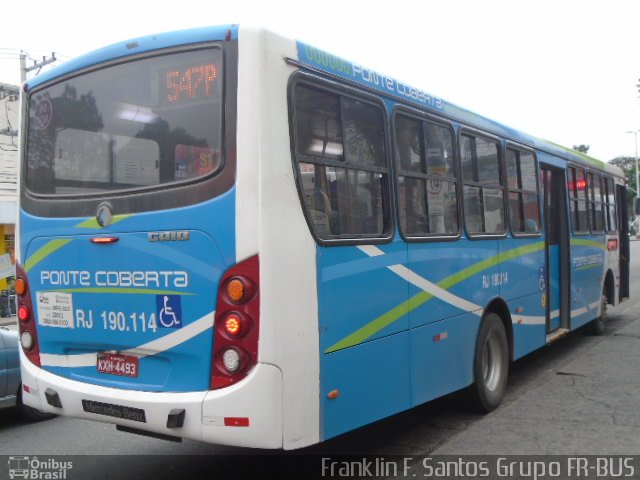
<point x="628" y="165"/>
<point x="582" y="148"/>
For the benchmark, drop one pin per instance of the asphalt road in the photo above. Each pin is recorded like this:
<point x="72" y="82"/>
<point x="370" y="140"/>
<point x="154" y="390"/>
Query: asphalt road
<point x="578" y="396"/>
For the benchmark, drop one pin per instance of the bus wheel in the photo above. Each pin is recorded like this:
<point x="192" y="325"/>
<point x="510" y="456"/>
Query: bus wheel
<point x="491" y="365"/>
<point x="597" y="326"/>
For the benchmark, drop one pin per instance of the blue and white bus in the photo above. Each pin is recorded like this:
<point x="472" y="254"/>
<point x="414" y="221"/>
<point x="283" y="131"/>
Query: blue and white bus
<point x="233" y="237"/>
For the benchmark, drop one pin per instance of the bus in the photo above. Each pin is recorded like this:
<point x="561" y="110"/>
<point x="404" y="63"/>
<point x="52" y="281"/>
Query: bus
<point x="230" y="236"/>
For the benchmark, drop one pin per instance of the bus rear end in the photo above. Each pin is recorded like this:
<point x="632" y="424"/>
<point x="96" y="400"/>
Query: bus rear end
<point x="127" y="245"/>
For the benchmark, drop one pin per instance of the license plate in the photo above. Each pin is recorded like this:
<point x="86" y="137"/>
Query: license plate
<point x="118" y="364"/>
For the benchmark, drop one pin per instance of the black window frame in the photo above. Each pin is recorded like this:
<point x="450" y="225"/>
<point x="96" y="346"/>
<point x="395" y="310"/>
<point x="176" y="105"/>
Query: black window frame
<point x="520" y="149"/>
<point x="610" y="182"/>
<point x="466" y="131"/>
<point x="159" y="197"/>
<point x="423" y="118"/>
<point x="323" y="85"/>
<point x="593" y="176"/>
<point x="574" y="200"/>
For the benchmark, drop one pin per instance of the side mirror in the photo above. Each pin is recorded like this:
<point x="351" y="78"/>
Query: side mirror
<point x="636" y="206"/>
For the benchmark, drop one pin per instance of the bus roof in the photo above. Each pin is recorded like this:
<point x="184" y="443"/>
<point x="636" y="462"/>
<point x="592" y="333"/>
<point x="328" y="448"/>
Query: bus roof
<point x="137" y="46"/>
<point x="337" y="67"/>
<point x="329" y="64"/>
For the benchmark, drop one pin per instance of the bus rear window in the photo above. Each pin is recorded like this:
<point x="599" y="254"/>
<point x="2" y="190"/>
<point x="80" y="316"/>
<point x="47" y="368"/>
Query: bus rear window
<point x="140" y="124"/>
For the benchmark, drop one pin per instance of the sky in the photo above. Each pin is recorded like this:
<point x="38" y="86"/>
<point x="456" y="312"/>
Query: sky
<point x="562" y="70"/>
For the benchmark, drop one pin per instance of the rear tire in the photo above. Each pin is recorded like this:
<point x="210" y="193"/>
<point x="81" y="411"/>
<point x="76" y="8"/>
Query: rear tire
<point x="598" y="326"/>
<point x="491" y="365"/>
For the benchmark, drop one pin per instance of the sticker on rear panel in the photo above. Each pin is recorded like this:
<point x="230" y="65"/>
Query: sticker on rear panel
<point x="55" y="309"/>
<point x="169" y="311"/>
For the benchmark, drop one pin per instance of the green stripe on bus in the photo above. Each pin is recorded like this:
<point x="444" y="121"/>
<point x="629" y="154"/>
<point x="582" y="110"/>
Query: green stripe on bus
<point x="53" y="245"/>
<point x="48" y="248"/>
<point x="588" y="267"/>
<point x="122" y="290"/>
<point x="383" y="321"/>
<point x="588" y="243"/>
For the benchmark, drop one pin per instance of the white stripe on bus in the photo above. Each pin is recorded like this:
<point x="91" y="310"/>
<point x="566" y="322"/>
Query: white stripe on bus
<point x="465" y="305"/>
<point x="153" y="347"/>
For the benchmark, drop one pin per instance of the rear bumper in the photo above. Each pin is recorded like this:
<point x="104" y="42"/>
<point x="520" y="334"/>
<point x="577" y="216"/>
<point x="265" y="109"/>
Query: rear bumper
<point x="258" y="397"/>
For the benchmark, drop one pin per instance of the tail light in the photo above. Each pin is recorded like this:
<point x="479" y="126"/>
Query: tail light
<point x="26" y="324"/>
<point x="236" y="327"/>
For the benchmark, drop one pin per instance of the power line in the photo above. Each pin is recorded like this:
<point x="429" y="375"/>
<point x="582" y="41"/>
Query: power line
<point x="36" y="65"/>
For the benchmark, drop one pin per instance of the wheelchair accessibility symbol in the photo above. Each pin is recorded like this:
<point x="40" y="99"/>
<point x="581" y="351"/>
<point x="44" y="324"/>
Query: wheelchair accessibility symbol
<point x="169" y="308"/>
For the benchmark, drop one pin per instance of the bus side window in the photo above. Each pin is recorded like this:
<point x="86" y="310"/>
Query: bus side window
<point x="426" y="178"/>
<point x="610" y="205"/>
<point x="483" y="192"/>
<point x="578" y="200"/>
<point x="595" y="202"/>
<point x="340" y="149"/>
<point x="524" y="197"/>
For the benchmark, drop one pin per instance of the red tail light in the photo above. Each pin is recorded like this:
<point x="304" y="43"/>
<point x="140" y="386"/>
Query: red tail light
<point x="27" y="323"/>
<point x="236" y="328"/>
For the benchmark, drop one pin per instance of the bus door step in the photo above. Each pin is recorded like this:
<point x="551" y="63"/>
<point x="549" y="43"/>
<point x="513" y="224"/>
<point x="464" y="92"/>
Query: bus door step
<point x="556" y="335"/>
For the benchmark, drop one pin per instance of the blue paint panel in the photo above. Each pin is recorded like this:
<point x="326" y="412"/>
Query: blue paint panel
<point x="482" y="287"/>
<point x="523" y="272"/>
<point x="353" y="290"/>
<point x="587" y="276"/>
<point x="347" y="277"/>
<point x="442" y="357"/>
<point x="528" y="338"/>
<point x="119" y="320"/>
<point x="137" y="46"/>
<point x="523" y="288"/>
<point x="438" y="261"/>
<point x="372" y="379"/>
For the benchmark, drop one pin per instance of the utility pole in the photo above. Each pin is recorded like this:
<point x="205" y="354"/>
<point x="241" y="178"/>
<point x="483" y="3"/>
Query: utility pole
<point x="36" y="65"/>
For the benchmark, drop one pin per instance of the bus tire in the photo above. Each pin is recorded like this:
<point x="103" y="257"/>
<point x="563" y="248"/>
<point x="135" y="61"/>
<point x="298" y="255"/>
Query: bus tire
<point x="491" y="365"/>
<point x="598" y="326"/>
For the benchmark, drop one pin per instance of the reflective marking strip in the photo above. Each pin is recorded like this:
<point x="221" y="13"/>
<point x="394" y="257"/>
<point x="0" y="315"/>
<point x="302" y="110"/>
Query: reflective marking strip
<point x="579" y="311"/>
<point x="441" y="336"/>
<point x="151" y="348"/>
<point x="528" y="320"/>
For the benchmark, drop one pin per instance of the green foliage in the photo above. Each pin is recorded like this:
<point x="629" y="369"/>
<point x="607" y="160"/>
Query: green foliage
<point x="628" y="165"/>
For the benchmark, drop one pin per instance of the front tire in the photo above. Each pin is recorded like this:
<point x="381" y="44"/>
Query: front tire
<point x="491" y="364"/>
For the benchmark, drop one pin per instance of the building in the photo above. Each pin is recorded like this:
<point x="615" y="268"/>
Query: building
<point x="9" y="124"/>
